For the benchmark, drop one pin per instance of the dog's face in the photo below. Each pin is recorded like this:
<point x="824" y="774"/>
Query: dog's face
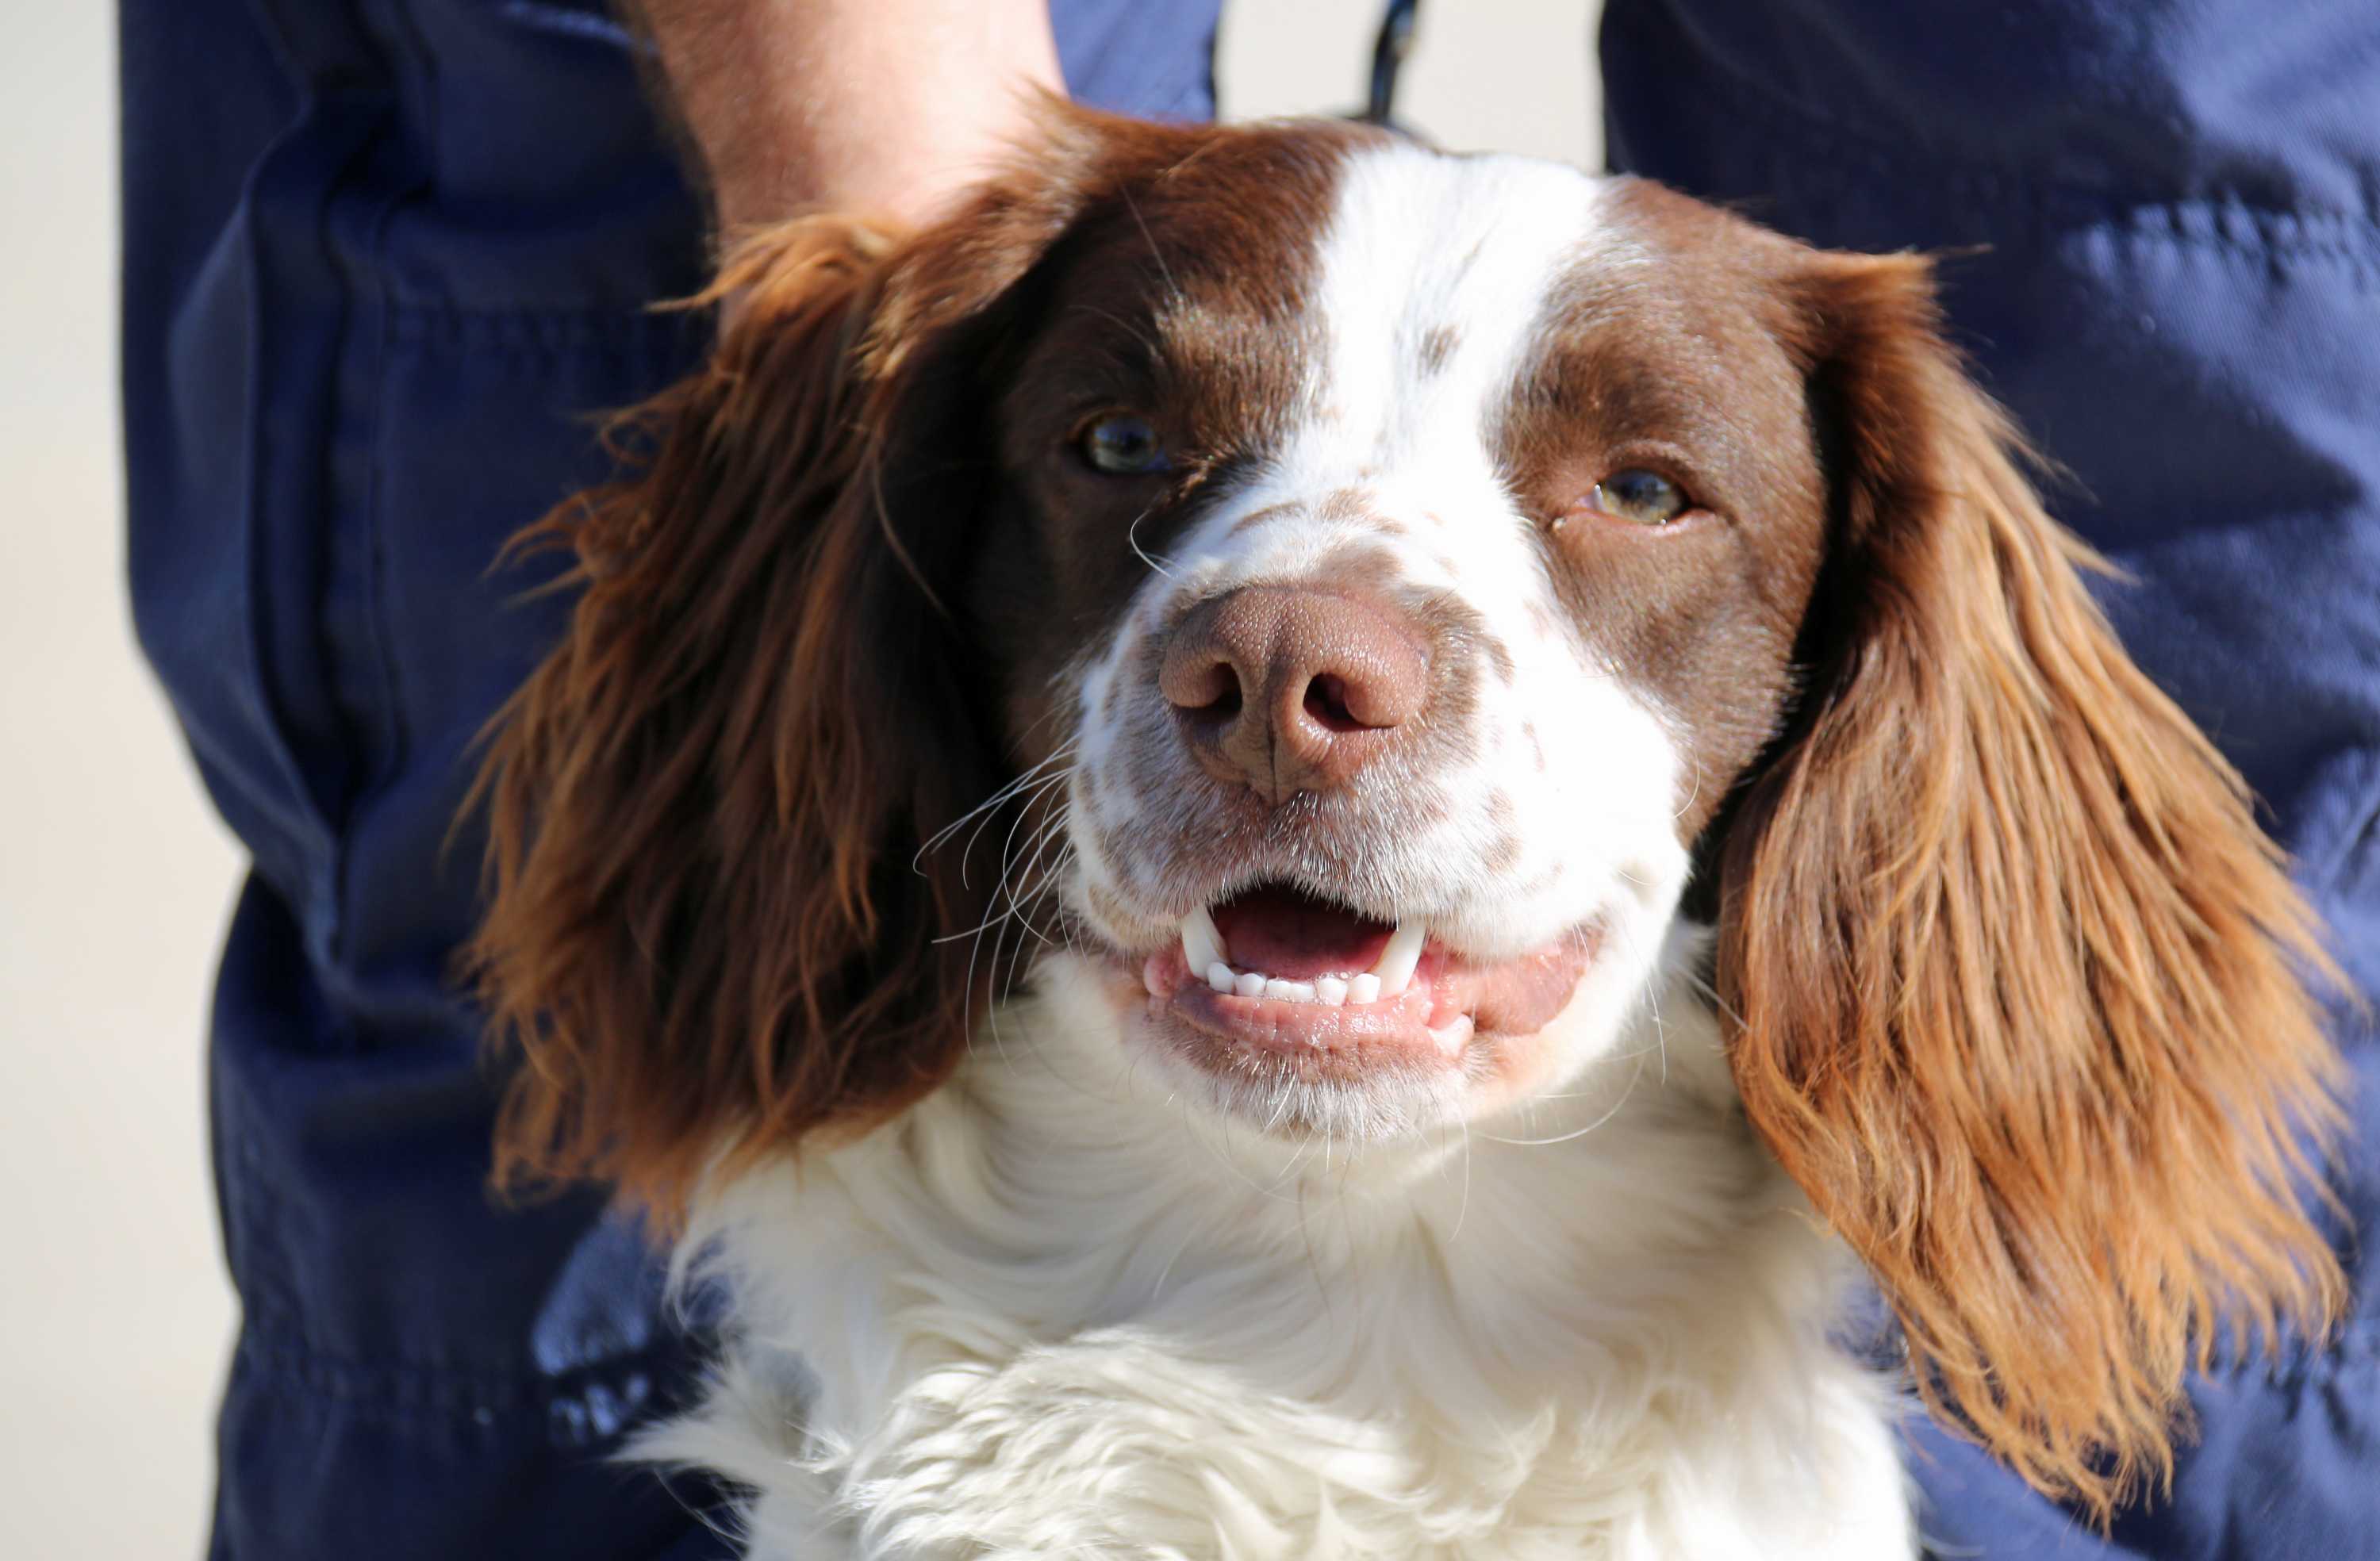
<point x="1391" y="597"/>
<point x="1351" y="597"/>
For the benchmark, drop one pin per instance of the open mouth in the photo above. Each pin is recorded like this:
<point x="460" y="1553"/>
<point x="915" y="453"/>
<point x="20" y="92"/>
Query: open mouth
<point x="1276" y="969"/>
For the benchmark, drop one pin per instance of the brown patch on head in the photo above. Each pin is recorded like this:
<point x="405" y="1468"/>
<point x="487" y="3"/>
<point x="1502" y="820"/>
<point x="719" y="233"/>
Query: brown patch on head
<point x="1674" y="364"/>
<point x="1343" y="504"/>
<point x="1262" y="516"/>
<point x="813" y="633"/>
<point x="1437" y="348"/>
<point x="1182" y="294"/>
<point x="1500" y="656"/>
<point x="1505" y="818"/>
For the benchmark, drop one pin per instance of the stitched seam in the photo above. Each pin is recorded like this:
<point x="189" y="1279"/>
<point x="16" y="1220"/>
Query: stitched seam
<point x="396" y="728"/>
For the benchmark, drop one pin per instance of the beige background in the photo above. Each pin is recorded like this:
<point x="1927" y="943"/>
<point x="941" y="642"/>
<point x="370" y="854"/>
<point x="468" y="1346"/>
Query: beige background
<point x="114" y="876"/>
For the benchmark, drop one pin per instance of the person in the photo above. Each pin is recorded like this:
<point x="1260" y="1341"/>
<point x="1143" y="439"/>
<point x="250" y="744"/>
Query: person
<point x="2162" y="219"/>
<point x="384" y="258"/>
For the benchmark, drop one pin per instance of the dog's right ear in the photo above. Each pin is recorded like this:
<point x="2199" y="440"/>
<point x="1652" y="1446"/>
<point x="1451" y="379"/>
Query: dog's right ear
<point x="704" y="932"/>
<point x="710" y="932"/>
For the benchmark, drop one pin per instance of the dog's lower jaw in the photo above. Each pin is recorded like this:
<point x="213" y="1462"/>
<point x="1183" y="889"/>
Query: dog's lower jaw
<point x="1056" y="1309"/>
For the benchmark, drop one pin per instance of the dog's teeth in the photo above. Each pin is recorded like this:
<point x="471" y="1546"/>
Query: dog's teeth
<point x="1452" y="1036"/>
<point x="1250" y="985"/>
<point x="1364" y="988"/>
<point x="1331" y="991"/>
<point x="1220" y="976"/>
<point x="1202" y="941"/>
<point x="1398" y="960"/>
<point x="1290" y="991"/>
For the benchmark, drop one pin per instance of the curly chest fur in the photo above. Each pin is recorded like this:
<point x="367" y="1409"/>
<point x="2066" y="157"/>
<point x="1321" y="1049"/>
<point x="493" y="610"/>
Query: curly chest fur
<point x="1039" y="1318"/>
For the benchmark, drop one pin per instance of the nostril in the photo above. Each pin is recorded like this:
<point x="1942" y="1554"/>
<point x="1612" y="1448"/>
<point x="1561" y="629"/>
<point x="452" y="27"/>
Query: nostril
<point x="1326" y="704"/>
<point x="1223" y="706"/>
<point x="1211" y="692"/>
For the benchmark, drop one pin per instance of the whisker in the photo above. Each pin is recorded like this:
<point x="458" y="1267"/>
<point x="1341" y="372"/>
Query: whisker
<point x="1163" y="270"/>
<point x="1693" y="796"/>
<point x="1576" y="1132"/>
<point x="1132" y="540"/>
<point x="1040" y="790"/>
<point x="1033" y="782"/>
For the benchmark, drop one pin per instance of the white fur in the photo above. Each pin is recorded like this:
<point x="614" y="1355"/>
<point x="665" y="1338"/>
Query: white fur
<point x="1421" y="241"/>
<point x="1055" y="1312"/>
<point x="1080" y="1303"/>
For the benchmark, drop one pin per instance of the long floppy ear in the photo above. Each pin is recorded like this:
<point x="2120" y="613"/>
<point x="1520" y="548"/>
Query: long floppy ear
<point x="2018" y="985"/>
<point x="708" y="934"/>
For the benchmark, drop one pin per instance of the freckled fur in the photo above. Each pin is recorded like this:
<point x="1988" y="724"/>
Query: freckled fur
<point x="2023" y="1026"/>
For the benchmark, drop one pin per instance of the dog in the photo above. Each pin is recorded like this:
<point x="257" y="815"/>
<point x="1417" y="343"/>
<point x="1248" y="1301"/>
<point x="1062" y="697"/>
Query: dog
<point x="1284" y="845"/>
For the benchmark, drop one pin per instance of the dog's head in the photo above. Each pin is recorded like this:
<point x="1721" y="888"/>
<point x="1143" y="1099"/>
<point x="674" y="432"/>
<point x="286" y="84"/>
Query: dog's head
<point x="1365" y="598"/>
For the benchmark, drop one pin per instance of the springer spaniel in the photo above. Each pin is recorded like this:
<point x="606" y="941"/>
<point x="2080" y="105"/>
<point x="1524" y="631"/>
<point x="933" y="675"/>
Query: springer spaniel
<point x="1280" y="845"/>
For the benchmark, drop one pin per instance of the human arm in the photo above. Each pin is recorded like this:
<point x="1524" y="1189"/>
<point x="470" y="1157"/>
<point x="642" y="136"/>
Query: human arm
<point x="879" y="107"/>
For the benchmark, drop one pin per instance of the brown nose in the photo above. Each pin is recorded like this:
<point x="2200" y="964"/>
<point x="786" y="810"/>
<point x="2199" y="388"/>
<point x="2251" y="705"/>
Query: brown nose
<point x="1289" y="689"/>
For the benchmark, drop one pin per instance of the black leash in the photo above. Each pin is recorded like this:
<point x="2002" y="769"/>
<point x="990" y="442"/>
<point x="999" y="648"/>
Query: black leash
<point x="1389" y="52"/>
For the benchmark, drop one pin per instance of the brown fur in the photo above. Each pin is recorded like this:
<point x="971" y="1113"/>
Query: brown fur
<point x="704" y="934"/>
<point x="2018" y="985"/>
<point x="713" y="929"/>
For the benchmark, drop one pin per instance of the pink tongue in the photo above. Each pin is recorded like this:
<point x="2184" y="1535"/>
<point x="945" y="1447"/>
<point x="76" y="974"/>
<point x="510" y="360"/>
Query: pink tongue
<point x="1295" y="937"/>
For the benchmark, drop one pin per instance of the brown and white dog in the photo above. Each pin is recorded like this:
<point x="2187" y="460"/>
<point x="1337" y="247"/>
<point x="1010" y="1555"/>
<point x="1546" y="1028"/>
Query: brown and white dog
<point x="1243" y="835"/>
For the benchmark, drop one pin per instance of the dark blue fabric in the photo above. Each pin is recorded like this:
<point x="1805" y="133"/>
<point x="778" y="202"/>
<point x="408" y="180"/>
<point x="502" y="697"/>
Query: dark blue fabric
<point x="384" y="260"/>
<point x="2167" y="219"/>
<point x="384" y="257"/>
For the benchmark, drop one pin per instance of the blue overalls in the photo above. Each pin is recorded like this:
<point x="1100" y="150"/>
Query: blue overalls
<point x="386" y="259"/>
<point x="2169" y="219"/>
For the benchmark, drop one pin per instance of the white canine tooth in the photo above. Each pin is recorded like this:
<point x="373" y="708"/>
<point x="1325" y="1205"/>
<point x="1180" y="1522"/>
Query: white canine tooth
<point x="1202" y="941"/>
<point x="1452" y="1036"/>
<point x="1364" y="988"/>
<point x="1330" y="990"/>
<point x="1290" y="991"/>
<point x="1398" y="960"/>
<point x="1220" y="976"/>
<point x="1250" y="985"/>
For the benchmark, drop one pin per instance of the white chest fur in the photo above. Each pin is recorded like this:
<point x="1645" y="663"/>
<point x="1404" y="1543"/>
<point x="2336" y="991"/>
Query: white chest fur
<point x="1052" y="1313"/>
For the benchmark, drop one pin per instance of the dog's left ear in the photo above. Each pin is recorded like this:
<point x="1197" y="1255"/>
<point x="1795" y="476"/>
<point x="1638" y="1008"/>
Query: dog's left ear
<point x="2018" y="986"/>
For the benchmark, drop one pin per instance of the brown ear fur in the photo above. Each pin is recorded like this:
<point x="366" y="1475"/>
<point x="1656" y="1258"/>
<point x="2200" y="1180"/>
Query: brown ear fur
<point x="2019" y="983"/>
<point x="712" y="929"/>
<point x="707" y="934"/>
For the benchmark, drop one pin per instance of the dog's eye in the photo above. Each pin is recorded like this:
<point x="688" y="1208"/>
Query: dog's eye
<point x="1124" y="445"/>
<point x="1644" y="497"/>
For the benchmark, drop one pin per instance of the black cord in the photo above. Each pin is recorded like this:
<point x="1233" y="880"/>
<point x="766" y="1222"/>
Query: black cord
<point x="1389" y="53"/>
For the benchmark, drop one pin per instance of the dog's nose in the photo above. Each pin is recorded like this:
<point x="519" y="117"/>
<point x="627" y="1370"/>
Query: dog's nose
<point x="1289" y="688"/>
